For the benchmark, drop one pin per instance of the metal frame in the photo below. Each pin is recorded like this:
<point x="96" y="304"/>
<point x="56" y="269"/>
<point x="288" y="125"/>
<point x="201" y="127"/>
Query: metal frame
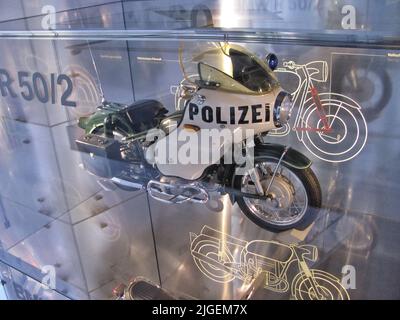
<point x="343" y="38"/>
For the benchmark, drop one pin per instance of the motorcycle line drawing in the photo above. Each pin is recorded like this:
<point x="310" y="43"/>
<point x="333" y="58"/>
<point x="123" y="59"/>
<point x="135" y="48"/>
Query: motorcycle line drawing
<point x="279" y="191"/>
<point x="330" y="125"/>
<point x="224" y="258"/>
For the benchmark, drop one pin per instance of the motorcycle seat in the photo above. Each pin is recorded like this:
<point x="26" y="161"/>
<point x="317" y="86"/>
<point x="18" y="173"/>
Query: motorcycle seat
<point x="145" y="114"/>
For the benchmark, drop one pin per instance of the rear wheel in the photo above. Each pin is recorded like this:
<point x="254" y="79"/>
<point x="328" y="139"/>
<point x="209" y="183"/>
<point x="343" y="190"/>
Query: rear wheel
<point x="365" y="81"/>
<point x="212" y="251"/>
<point x="294" y="197"/>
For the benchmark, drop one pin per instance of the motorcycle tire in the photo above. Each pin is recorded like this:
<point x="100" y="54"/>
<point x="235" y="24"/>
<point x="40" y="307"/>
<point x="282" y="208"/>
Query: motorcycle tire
<point x="329" y="286"/>
<point x="370" y="72"/>
<point x="314" y="196"/>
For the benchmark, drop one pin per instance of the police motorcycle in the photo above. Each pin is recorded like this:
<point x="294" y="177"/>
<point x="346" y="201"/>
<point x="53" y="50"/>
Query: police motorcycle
<point x="229" y="91"/>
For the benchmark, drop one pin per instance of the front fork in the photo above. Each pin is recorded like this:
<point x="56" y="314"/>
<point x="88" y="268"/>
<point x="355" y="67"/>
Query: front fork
<point x="255" y="175"/>
<point x="303" y="267"/>
<point x="326" y="128"/>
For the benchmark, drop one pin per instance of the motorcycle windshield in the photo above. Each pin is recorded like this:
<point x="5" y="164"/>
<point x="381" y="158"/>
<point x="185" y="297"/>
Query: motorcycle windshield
<point x="228" y="67"/>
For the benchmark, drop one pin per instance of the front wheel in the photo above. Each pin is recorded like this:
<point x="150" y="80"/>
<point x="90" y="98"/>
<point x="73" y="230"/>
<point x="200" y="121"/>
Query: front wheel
<point x="328" y="287"/>
<point x="347" y="134"/>
<point x="294" y="197"/>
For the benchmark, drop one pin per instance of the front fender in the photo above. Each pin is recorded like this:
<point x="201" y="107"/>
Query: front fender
<point x="292" y="158"/>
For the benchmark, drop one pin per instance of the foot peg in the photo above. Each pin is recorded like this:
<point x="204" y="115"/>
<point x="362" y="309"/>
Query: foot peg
<point x="177" y="193"/>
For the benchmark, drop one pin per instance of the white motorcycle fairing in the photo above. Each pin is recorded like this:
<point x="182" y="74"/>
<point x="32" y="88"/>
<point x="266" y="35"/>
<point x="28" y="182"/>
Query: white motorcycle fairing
<point x="210" y="109"/>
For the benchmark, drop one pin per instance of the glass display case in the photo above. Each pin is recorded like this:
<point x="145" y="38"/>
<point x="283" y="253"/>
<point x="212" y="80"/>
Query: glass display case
<point x="83" y="211"/>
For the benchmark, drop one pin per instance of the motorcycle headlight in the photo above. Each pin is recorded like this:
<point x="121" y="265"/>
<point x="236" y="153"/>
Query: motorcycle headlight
<point x="282" y="108"/>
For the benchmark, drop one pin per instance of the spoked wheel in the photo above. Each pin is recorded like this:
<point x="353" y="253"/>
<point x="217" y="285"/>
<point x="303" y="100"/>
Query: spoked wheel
<point x="366" y="81"/>
<point x="347" y="132"/>
<point x="293" y="197"/>
<point x="211" y="250"/>
<point x="327" y="285"/>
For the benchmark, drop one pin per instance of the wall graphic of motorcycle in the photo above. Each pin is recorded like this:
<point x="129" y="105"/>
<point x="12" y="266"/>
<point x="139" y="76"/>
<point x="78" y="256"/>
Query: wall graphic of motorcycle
<point x="330" y="125"/>
<point x="223" y="258"/>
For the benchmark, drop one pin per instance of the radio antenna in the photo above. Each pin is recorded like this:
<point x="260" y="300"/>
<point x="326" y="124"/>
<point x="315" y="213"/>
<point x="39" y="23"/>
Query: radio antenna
<point x="94" y="63"/>
<point x="96" y="71"/>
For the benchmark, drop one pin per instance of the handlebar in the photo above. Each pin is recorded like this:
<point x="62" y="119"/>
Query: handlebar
<point x="308" y="252"/>
<point x="291" y="65"/>
<point x="316" y="70"/>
